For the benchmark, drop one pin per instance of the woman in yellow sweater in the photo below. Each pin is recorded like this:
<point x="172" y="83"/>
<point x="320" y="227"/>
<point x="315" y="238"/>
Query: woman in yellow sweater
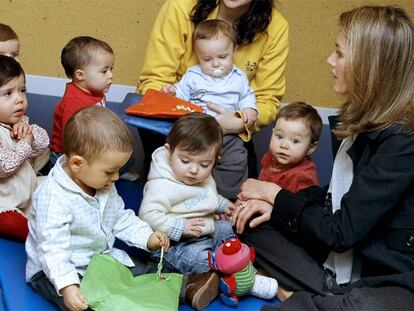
<point x="262" y="38"/>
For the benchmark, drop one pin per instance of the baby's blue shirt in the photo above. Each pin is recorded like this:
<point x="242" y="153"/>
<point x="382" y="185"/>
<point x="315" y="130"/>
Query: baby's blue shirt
<point x="232" y="92"/>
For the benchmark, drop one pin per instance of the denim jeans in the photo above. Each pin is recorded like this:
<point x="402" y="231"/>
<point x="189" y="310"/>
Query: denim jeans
<point x="190" y="255"/>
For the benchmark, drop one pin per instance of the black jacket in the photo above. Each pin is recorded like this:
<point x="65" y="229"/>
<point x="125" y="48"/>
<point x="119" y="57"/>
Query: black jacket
<point x="376" y="216"/>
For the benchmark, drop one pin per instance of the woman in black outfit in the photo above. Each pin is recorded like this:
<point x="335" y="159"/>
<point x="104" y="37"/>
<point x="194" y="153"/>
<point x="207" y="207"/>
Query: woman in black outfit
<point x="350" y="246"/>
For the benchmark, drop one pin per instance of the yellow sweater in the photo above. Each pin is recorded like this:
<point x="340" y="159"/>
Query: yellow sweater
<point x="170" y="53"/>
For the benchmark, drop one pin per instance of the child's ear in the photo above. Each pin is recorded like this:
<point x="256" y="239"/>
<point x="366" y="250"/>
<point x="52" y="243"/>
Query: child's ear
<point x="235" y="49"/>
<point x="169" y="151"/>
<point x="218" y="159"/>
<point x="76" y="162"/>
<point x="79" y="75"/>
<point x="168" y="147"/>
<point x="312" y="148"/>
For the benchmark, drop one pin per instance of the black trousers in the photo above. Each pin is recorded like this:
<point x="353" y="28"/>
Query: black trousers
<point x="390" y="298"/>
<point x="41" y="285"/>
<point x="295" y="267"/>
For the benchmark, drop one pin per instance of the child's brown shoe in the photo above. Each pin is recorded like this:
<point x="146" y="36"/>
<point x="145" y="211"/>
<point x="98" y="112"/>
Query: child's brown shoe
<point x="202" y="289"/>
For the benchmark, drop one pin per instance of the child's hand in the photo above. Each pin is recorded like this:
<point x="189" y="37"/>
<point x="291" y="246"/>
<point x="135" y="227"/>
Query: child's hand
<point x="249" y="116"/>
<point x="73" y="298"/>
<point x="20" y="130"/>
<point x="193" y="227"/>
<point x="169" y="89"/>
<point x="28" y="138"/>
<point x="157" y="240"/>
<point x="228" y="212"/>
<point x="230" y="209"/>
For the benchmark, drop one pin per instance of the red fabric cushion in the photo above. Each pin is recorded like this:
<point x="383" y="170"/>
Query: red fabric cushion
<point x="13" y="225"/>
<point x="157" y="104"/>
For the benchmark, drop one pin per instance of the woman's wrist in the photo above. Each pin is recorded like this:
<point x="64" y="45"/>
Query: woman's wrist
<point x="271" y="192"/>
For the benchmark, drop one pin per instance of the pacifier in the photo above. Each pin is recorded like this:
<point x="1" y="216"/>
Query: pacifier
<point x="217" y="73"/>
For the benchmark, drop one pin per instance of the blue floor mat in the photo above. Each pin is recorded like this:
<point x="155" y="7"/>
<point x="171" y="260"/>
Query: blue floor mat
<point x="17" y="295"/>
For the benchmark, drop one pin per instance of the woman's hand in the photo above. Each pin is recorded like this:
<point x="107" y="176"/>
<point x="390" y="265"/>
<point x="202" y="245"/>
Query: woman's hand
<point x="260" y="190"/>
<point x="228" y="122"/>
<point x="246" y="209"/>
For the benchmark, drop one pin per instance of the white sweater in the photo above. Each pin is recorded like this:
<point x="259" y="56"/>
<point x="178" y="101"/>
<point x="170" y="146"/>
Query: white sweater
<point x="167" y="202"/>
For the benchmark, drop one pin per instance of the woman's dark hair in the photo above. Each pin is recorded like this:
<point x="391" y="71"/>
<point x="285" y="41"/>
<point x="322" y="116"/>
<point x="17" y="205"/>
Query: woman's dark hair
<point x="254" y="21"/>
<point x="9" y="69"/>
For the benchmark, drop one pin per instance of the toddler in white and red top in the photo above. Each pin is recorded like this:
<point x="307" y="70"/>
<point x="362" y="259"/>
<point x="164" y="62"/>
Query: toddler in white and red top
<point x="20" y="142"/>
<point x="295" y="138"/>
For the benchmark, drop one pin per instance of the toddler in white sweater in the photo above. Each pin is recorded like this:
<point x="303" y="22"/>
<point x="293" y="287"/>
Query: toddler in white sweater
<point x="180" y="197"/>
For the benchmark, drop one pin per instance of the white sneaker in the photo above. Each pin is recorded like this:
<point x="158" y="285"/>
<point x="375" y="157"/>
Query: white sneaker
<point x="264" y="287"/>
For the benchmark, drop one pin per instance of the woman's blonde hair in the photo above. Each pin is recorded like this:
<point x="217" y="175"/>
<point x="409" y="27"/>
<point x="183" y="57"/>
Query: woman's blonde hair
<point x="379" y="70"/>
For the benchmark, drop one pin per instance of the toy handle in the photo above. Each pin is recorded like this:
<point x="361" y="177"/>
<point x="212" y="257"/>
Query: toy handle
<point x="212" y="261"/>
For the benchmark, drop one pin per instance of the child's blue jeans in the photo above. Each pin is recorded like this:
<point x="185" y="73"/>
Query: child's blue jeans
<point x="190" y="255"/>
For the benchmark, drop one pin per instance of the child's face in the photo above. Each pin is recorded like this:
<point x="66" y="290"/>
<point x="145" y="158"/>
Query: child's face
<point x="10" y="48"/>
<point x="215" y="55"/>
<point x="97" y="76"/>
<point x="13" y="101"/>
<point x="192" y="169"/>
<point x="100" y="173"/>
<point x="290" y="142"/>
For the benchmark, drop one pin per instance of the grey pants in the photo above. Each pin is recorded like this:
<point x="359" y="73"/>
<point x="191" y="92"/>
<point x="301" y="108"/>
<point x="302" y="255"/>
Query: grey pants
<point x="231" y="170"/>
<point x="294" y="267"/>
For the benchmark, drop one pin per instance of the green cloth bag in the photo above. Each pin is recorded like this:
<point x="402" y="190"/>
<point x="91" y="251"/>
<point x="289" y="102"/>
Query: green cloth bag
<point x="109" y="286"/>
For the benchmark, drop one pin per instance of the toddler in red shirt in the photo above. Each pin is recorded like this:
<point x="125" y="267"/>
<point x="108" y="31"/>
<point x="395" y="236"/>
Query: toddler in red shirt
<point x="88" y="62"/>
<point x="295" y="137"/>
